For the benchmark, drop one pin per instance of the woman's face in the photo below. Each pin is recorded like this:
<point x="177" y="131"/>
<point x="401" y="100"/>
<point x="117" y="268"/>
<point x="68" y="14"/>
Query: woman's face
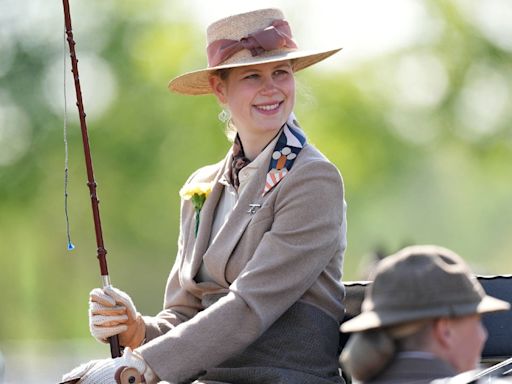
<point x="259" y="97"/>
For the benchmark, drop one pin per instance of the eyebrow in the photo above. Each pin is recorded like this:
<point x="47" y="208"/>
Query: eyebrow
<point x="248" y="70"/>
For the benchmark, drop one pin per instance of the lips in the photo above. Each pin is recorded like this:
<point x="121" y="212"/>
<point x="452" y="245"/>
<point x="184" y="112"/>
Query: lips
<point x="268" y="107"/>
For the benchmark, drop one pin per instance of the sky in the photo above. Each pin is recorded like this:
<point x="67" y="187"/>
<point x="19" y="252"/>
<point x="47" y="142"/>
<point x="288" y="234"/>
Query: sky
<point x="364" y="28"/>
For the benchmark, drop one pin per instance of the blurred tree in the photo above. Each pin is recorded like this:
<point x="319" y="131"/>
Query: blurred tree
<point x="422" y="136"/>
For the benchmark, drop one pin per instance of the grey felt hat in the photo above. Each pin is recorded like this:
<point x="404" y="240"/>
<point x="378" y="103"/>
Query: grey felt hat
<point x="421" y="282"/>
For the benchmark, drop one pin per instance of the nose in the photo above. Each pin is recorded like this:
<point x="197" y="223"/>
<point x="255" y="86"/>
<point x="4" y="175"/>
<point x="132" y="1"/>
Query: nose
<point x="268" y="86"/>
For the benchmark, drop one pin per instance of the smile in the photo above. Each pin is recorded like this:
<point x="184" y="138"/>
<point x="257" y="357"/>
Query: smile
<point x="269" y="107"/>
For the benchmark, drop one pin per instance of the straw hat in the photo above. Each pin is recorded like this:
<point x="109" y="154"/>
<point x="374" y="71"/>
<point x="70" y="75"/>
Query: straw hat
<point x="256" y="37"/>
<point x="421" y="282"/>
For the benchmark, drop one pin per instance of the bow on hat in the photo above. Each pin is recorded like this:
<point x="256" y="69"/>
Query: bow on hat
<point x="277" y="35"/>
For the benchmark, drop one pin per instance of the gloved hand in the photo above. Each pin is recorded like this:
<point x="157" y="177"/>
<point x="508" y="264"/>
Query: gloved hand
<point x="130" y="368"/>
<point x="112" y="312"/>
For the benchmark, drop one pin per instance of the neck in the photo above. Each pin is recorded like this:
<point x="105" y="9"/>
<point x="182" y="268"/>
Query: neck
<point x="254" y="144"/>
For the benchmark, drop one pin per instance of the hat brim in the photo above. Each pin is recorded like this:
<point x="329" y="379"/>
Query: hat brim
<point x="373" y="320"/>
<point x="197" y="83"/>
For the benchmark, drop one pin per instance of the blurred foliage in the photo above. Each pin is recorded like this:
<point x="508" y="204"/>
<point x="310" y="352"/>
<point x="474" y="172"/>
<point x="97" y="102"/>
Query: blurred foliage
<point x="415" y="168"/>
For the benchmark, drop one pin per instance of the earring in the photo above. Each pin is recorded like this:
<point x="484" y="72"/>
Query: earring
<point x="224" y="115"/>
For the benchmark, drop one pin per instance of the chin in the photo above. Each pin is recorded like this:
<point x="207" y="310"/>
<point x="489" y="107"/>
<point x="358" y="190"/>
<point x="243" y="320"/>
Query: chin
<point x="273" y="125"/>
<point x="272" y="128"/>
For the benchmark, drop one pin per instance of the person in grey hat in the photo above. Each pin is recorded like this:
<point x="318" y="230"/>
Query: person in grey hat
<point x="420" y="319"/>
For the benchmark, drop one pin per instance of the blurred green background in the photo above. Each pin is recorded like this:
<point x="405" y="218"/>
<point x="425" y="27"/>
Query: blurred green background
<point x="421" y="132"/>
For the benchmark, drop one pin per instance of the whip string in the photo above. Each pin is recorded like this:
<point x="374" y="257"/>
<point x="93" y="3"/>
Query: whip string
<point x="70" y="244"/>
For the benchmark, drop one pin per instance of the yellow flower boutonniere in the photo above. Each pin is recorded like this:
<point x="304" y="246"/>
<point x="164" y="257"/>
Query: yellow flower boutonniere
<point x="197" y="193"/>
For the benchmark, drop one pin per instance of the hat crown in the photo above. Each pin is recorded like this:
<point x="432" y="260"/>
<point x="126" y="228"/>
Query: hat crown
<point x="238" y="26"/>
<point x="424" y="278"/>
<point x="262" y="34"/>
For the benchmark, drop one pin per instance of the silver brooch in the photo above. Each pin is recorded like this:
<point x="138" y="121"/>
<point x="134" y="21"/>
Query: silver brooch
<point x="253" y="208"/>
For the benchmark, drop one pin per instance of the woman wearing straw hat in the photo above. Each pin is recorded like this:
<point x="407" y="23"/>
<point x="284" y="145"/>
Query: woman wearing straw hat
<point x="420" y="320"/>
<point x="255" y="295"/>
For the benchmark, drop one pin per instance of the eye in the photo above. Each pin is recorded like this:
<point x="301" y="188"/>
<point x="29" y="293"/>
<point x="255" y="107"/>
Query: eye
<point x="251" y="76"/>
<point x="281" y="73"/>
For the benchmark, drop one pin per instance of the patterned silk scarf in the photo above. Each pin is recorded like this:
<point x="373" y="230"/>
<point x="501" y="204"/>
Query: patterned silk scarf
<point x="239" y="161"/>
<point x="290" y="142"/>
<point x="288" y="146"/>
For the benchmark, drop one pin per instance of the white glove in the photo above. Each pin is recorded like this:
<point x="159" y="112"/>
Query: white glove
<point x="112" y="312"/>
<point x="129" y="368"/>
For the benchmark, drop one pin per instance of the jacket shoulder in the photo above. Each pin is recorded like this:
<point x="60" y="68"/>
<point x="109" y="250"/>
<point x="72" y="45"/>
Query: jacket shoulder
<point x="311" y="153"/>
<point x="206" y="174"/>
<point x="311" y="157"/>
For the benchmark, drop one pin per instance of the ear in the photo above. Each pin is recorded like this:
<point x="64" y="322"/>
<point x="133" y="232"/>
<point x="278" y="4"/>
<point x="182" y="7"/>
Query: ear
<point x="218" y="87"/>
<point x="442" y="331"/>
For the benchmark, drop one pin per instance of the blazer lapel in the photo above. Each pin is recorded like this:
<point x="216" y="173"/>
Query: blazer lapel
<point x="220" y="251"/>
<point x="200" y="244"/>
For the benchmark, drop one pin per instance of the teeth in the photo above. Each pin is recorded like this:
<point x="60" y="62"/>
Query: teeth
<point x="268" y="107"/>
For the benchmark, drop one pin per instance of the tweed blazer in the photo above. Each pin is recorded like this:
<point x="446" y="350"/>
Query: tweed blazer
<point x="411" y="370"/>
<point x="262" y="261"/>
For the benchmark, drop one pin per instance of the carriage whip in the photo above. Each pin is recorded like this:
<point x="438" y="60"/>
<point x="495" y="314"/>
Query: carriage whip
<point x="115" y="349"/>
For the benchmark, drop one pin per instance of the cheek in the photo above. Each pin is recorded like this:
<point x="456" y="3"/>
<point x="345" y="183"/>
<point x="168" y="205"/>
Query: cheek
<point x="478" y="335"/>
<point x="290" y="87"/>
<point x="239" y="101"/>
<point x="472" y="343"/>
<point x="239" y="105"/>
<point x="482" y="335"/>
<point x="291" y="93"/>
